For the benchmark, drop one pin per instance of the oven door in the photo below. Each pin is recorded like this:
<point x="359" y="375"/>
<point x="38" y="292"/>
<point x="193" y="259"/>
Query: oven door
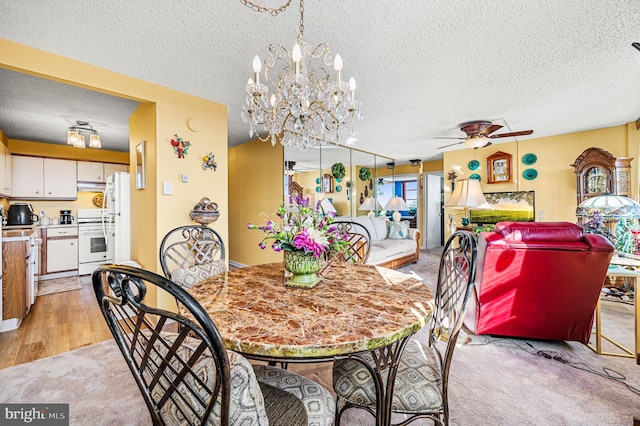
<point x="92" y="246"/>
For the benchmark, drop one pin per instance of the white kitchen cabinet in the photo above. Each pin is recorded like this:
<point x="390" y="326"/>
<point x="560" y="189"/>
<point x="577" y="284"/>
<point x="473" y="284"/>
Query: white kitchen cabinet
<point x="111" y="168"/>
<point x="5" y="173"/>
<point x="62" y="254"/>
<point x="46" y="178"/>
<point x="27" y="175"/>
<point x="90" y="171"/>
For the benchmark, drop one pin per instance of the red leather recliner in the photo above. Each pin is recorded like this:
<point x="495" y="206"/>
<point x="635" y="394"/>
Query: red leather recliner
<point x="538" y="280"/>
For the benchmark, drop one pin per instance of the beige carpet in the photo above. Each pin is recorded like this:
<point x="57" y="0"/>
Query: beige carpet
<point x="494" y="381"/>
<point x="58" y="285"/>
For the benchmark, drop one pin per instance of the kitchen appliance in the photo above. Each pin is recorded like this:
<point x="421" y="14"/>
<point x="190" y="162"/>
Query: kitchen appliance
<point x="65" y="217"/>
<point x="21" y="214"/>
<point x="92" y="244"/>
<point x="116" y="221"/>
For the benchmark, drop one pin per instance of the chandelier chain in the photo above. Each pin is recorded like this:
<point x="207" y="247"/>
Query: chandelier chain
<point x="272" y="10"/>
<point x="301" y="18"/>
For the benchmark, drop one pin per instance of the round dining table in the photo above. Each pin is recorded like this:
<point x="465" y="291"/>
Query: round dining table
<point x="355" y="308"/>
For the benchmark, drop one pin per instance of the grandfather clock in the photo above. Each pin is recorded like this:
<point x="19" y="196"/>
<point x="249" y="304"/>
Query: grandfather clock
<point x="598" y="172"/>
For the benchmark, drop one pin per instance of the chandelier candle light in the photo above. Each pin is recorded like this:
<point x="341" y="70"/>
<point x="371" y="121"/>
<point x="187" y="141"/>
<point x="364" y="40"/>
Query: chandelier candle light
<point x="308" y="107"/>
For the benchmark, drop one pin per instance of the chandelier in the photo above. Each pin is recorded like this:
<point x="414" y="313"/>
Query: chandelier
<point x="308" y="105"/>
<point x="75" y="138"/>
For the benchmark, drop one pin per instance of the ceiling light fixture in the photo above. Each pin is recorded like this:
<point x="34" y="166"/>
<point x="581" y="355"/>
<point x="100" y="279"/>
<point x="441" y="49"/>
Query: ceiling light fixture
<point x="75" y="138"/>
<point x="415" y="163"/>
<point x="308" y="107"/>
<point x="476" y="141"/>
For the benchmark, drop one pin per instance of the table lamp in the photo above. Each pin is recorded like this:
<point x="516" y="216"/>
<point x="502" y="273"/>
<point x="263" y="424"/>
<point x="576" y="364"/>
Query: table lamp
<point x="396" y="204"/>
<point x="468" y="195"/>
<point x="370" y="204"/>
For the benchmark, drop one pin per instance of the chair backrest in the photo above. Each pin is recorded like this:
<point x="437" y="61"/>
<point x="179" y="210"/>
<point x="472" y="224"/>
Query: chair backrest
<point x="359" y="242"/>
<point x="454" y="287"/>
<point x="190" y="245"/>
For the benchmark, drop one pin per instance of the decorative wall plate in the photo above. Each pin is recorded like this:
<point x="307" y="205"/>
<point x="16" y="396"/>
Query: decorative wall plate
<point x="473" y="165"/>
<point x="318" y="189"/>
<point x="475" y="176"/>
<point x="338" y="188"/>
<point x="530" y="174"/>
<point x="318" y="181"/>
<point x="98" y="199"/>
<point x="529" y="159"/>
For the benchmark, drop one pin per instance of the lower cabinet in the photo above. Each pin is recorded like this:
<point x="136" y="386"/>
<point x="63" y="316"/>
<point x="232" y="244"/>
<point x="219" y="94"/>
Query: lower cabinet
<point x="14" y="280"/>
<point x="61" y="250"/>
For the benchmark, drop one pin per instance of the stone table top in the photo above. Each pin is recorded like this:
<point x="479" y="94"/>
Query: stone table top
<point x="354" y="308"/>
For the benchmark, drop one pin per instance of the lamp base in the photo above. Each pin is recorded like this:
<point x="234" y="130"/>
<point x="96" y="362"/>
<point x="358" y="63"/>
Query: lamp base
<point x="396" y="216"/>
<point x="371" y="213"/>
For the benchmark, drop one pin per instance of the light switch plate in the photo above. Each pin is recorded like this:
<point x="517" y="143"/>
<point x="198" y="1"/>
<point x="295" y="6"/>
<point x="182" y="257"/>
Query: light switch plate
<point x="167" y="188"/>
<point x="184" y="177"/>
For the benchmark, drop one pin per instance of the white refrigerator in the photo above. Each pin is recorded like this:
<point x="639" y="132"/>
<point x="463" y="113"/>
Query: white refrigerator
<point x="116" y="219"/>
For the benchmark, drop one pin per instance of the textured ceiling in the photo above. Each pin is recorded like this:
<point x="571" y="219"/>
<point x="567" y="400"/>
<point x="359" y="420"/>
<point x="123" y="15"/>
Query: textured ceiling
<point x="422" y="67"/>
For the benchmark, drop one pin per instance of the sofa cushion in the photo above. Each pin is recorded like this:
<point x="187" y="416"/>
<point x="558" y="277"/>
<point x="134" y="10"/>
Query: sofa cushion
<point x="366" y="222"/>
<point x="380" y="226"/>
<point x="398" y="230"/>
<point x="393" y="248"/>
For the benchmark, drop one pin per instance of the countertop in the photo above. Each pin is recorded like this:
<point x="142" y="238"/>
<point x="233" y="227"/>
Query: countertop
<point x="24" y="232"/>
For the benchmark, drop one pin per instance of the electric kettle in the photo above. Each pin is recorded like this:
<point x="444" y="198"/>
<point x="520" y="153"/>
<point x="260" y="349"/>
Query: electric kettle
<point x="21" y="214"/>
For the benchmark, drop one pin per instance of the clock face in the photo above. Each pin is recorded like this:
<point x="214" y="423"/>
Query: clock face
<point x="596" y="180"/>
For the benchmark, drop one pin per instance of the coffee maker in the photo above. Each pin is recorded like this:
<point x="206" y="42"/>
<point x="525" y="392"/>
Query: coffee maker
<point x="65" y="217"/>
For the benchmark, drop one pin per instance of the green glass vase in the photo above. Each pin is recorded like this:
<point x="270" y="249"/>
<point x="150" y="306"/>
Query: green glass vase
<point x="303" y="266"/>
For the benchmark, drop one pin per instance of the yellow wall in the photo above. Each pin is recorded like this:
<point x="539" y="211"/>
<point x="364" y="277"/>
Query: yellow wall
<point x="173" y="110"/>
<point x="256" y="189"/>
<point x="555" y="186"/>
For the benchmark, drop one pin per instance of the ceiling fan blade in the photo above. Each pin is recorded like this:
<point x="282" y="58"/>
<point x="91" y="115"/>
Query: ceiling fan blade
<point x="451" y="144"/>
<point x="449" y="137"/>
<point x="487" y="144"/>
<point x="506" y="135"/>
<point x="490" y="129"/>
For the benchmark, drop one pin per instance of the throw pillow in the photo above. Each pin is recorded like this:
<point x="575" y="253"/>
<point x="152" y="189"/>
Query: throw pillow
<point x="380" y="225"/>
<point x="398" y="231"/>
<point x="188" y="277"/>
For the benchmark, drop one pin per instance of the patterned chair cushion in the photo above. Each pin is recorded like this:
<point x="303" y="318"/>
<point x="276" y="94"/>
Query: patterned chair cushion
<point x="398" y="230"/>
<point x="188" y="277"/>
<point x="317" y="400"/>
<point x="246" y="405"/>
<point x="418" y="386"/>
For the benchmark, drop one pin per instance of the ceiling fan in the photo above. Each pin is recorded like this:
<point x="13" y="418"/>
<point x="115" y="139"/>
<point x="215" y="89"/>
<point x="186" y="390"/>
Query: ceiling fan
<point x="479" y="134"/>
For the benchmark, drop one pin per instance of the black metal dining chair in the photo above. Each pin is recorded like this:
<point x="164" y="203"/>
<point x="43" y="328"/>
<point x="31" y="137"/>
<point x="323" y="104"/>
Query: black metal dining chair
<point x="180" y="364"/>
<point x="421" y="385"/>
<point x="192" y="253"/>
<point x="359" y="241"/>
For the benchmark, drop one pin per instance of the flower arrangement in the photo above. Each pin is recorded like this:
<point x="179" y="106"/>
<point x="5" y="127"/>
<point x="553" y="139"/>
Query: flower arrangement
<point x="209" y="162"/>
<point x="304" y="229"/>
<point x="180" y="146"/>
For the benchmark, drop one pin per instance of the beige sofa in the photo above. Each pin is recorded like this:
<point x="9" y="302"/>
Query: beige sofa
<point x="385" y="251"/>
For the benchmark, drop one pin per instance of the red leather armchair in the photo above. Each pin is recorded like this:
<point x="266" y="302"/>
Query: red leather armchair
<point x="538" y="280"/>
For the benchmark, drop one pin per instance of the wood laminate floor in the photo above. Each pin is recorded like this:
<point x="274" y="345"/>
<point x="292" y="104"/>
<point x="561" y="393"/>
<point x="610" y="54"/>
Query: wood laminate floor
<point x="57" y="323"/>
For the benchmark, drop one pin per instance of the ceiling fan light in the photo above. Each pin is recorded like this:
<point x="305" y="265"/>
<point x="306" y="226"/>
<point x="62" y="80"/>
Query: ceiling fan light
<point x="475" y="141"/>
<point x="94" y="141"/>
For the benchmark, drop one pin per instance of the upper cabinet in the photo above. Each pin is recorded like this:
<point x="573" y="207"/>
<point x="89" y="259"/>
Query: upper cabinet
<point x="598" y="172"/>
<point x="5" y="173"/>
<point x="43" y="178"/>
<point x="90" y="171"/>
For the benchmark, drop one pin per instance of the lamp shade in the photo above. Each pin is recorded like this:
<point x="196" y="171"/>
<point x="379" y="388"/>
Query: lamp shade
<point x="370" y="204"/>
<point x="396" y="204"/>
<point x="327" y="207"/>
<point x="609" y="206"/>
<point x="468" y="195"/>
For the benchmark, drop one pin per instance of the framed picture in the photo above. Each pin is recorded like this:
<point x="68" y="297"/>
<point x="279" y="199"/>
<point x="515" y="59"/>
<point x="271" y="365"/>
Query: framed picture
<point x="327" y="183"/>
<point x="514" y="206"/>
<point x="499" y="168"/>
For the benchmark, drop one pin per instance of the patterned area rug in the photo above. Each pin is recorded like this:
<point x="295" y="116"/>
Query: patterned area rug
<point x="58" y="285"/>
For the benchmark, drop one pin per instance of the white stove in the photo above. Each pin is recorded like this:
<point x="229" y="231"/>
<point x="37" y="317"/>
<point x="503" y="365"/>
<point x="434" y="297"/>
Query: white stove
<point x="92" y="242"/>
